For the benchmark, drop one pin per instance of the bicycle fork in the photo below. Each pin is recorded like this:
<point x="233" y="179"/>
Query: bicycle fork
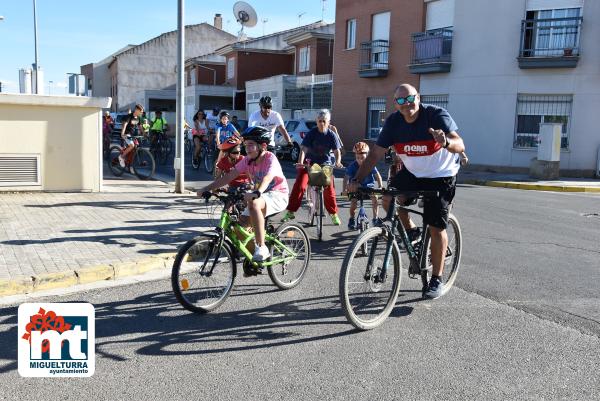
<point x="379" y="277"/>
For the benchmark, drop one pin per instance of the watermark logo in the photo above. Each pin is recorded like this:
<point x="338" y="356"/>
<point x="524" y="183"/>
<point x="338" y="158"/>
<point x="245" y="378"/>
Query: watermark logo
<point x="56" y="340"/>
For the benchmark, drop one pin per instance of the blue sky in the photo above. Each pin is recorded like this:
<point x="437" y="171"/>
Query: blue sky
<point x="72" y="33"/>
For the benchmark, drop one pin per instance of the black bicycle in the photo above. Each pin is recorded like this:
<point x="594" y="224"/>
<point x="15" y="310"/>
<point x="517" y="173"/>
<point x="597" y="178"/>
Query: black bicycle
<point x="369" y="284"/>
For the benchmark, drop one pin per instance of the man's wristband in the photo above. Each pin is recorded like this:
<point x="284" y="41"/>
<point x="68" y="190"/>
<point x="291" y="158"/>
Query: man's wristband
<point x="257" y="193"/>
<point x="447" y="143"/>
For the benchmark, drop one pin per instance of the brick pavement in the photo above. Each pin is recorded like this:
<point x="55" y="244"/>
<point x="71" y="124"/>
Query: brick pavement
<point x="43" y="233"/>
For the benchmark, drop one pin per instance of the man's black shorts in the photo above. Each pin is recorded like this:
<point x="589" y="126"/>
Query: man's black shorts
<point x="436" y="210"/>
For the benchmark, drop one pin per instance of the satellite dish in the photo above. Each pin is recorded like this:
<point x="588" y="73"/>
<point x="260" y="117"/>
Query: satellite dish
<point x="245" y="14"/>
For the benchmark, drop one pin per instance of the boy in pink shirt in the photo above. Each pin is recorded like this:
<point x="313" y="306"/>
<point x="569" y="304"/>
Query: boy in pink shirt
<point x="270" y="193"/>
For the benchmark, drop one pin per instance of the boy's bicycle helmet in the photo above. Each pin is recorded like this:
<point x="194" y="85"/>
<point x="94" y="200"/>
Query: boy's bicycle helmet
<point x="361" y="147"/>
<point x="223" y="114"/>
<point x="230" y="143"/>
<point x="257" y="134"/>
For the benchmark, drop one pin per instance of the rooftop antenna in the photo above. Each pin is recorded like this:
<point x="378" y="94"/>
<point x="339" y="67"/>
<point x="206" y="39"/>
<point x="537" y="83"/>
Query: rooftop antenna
<point x="299" y="17"/>
<point x="264" y="21"/>
<point x="245" y="15"/>
<point x="323" y="9"/>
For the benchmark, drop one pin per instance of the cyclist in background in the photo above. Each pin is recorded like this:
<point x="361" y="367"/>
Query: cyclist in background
<point x="232" y="155"/>
<point x="224" y="131"/>
<point x="361" y="150"/>
<point x="130" y="128"/>
<point x="316" y="147"/>
<point x="270" y="193"/>
<point x="270" y="119"/>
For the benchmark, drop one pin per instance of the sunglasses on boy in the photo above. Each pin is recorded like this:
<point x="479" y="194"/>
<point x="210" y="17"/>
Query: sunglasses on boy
<point x="402" y="100"/>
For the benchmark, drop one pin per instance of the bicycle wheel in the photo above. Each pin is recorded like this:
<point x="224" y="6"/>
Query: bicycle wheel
<point x="143" y="164"/>
<point x="113" y="161"/>
<point x="198" y="286"/>
<point x="320" y="216"/>
<point x="290" y="274"/>
<point x="209" y="161"/>
<point x="453" y="254"/>
<point x="366" y="294"/>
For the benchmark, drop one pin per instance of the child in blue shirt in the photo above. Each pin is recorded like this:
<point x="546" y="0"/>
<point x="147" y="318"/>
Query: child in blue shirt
<point x="224" y="130"/>
<point x="361" y="150"/>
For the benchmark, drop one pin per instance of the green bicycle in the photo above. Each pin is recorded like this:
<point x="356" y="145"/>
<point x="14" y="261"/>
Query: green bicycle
<point x="205" y="267"/>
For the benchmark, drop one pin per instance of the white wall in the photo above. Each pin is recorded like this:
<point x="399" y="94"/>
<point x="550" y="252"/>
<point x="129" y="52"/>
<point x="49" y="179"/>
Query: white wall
<point x="485" y="80"/>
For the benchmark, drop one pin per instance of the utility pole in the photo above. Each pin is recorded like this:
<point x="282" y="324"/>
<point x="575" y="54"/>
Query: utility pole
<point x="35" y="65"/>
<point x="180" y="106"/>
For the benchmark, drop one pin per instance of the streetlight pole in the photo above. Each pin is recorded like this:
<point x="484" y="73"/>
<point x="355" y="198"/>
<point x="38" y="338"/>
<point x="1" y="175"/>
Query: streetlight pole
<point x="179" y="160"/>
<point x="50" y="87"/>
<point x="35" y="65"/>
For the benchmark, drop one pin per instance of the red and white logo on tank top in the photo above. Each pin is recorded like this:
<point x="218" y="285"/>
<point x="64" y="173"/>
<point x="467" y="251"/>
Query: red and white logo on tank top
<point x="418" y="148"/>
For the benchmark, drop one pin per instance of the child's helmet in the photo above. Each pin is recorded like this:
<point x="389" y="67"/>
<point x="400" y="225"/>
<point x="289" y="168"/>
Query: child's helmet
<point x="230" y="143"/>
<point x="361" y="147"/>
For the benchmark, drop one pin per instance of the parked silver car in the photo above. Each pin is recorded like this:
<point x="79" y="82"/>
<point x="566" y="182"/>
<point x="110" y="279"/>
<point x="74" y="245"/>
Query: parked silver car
<point x="297" y="130"/>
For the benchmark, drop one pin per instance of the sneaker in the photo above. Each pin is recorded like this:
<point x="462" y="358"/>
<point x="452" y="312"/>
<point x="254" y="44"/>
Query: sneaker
<point x="335" y="219"/>
<point x="121" y="161"/>
<point x="261" y="253"/>
<point x="435" y="289"/>
<point x="351" y="223"/>
<point x="288" y="216"/>
<point x="131" y="170"/>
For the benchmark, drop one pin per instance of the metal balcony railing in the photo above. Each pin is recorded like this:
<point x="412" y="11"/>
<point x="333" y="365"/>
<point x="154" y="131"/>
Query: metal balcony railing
<point x="551" y="37"/>
<point x="374" y="56"/>
<point x="433" y="46"/>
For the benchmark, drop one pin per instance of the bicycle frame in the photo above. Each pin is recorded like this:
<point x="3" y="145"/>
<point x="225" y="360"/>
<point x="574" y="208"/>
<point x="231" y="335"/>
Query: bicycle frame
<point x="226" y="228"/>
<point x="414" y="253"/>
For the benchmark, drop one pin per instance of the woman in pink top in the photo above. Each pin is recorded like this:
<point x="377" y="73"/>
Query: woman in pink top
<point x="270" y="193"/>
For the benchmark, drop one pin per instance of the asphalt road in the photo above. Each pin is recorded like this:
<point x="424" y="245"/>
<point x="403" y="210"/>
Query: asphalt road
<point x="522" y="322"/>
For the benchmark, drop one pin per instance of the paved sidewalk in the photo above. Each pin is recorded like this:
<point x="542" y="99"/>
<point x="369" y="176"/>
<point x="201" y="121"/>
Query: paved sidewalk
<point x="50" y="240"/>
<point x="524" y="181"/>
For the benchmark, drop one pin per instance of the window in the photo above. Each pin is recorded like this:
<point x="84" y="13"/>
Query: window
<point x="375" y="116"/>
<point x="436" y="100"/>
<point x="380" y="36"/>
<point x="304" y="59"/>
<point x="230" y="67"/>
<point x="351" y="34"/>
<point x="535" y="109"/>
<point x="550" y="32"/>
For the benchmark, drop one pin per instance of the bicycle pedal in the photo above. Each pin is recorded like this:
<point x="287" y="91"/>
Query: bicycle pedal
<point x="413" y="276"/>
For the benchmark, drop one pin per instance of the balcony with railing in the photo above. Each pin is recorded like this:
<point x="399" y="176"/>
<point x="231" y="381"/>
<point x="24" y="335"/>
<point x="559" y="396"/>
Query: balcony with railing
<point x="550" y="43"/>
<point x="431" y="51"/>
<point x="374" y="59"/>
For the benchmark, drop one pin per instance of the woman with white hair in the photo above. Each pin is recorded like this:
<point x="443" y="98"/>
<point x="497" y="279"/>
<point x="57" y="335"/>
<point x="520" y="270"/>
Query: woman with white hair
<point x="316" y="148"/>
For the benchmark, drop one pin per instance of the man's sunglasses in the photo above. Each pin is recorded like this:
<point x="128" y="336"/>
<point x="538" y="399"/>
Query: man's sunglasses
<point x="235" y="153"/>
<point x="402" y="100"/>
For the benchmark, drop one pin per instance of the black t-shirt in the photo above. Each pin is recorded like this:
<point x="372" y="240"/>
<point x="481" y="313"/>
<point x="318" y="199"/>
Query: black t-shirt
<point x="420" y="153"/>
<point x="132" y="124"/>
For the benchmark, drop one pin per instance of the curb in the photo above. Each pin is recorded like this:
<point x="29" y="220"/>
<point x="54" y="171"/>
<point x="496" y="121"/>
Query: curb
<point x="533" y="187"/>
<point x="29" y="284"/>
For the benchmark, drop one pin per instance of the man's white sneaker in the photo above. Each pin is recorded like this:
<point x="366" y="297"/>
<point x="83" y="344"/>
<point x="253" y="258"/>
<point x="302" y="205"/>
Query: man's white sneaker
<point x="261" y="253"/>
<point x="121" y="161"/>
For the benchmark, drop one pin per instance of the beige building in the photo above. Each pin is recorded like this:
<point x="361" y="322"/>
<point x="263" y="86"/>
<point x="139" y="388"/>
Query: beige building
<point x="152" y="65"/>
<point x="51" y="143"/>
